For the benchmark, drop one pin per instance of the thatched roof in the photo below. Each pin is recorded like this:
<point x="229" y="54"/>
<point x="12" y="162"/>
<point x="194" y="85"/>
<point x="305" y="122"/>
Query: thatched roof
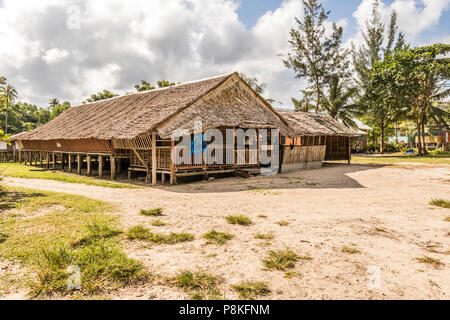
<point x="214" y="101"/>
<point x="315" y="124"/>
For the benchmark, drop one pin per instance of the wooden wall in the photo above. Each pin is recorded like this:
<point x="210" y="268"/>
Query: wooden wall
<point x="80" y="145"/>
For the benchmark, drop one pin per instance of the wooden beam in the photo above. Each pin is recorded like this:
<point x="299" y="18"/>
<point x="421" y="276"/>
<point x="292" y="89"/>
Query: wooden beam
<point x="349" y="150"/>
<point x="54" y="160"/>
<point x="89" y="165"/>
<point x="153" y="158"/>
<point x="79" y="160"/>
<point x="173" y="177"/>
<point x="20" y="156"/>
<point x="40" y="159"/>
<point x="47" y="160"/>
<point x="100" y="166"/>
<point x="113" y="168"/>
<point x="69" y="156"/>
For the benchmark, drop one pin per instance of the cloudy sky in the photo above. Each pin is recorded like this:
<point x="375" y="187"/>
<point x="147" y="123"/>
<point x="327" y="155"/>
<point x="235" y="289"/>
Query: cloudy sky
<point x="69" y="49"/>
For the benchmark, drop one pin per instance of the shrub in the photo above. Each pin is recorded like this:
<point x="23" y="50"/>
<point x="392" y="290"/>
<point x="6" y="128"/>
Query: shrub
<point x="281" y="260"/>
<point x="218" y="237"/>
<point x="152" y="212"/>
<point x="251" y="290"/>
<point x="241" y="220"/>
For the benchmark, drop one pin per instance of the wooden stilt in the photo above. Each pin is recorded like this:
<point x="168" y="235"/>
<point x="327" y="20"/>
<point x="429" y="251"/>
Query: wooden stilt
<point x="154" y="159"/>
<point x="349" y="151"/>
<point x="47" y="160"/>
<point x="69" y="156"/>
<point x="89" y="165"/>
<point x="113" y="168"/>
<point x="79" y="159"/>
<point x="62" y="161"/>
<point x="100" y="166"/>
<point x="173" y="177"/>
<point x="41" y="160"/>
<point x="163" y="178"/>
<point x="20" y="156"/>
<point x="53" y="160"/>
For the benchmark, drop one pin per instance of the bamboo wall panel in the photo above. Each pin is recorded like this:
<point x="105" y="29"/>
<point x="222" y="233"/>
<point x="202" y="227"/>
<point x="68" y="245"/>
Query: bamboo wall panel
<point x="304" y="154"/>
<point x="78" y="145"/>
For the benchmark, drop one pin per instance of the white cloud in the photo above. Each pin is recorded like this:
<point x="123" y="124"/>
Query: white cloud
<point x="55" y="55"/>
<point x="118" y="43"/>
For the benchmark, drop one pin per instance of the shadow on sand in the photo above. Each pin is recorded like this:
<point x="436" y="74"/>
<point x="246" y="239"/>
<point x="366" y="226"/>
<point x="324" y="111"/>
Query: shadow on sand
<point x="331" y="176"/>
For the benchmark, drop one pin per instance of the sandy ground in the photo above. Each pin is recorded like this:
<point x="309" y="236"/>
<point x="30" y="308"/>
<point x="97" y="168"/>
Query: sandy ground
<point x="381" y="211"/>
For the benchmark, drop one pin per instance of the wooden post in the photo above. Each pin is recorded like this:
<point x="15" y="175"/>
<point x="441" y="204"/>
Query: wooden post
<point x="113" y="168"/>
<point x="89" y="165"/>
<point x="70" y="162"/>
<point x="119" y="165"/>
<point x="20" y="156"/>
<point x="349" y="151"/>
<point x="163" y="178"/>
<point x="62" y="161"/>
<point x="41" y="159"/>
<point x="79" y="159"/>
<point x="47" y="160"/>
<point x="173" y="177"/>
<point x="53" y="160"/>
<point x="257" y="152"/>
<point x="100" y="166"/>
<point x="154" y="159"/>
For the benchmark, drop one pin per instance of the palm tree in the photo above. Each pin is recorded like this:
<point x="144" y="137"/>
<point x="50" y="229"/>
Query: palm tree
<point x="53" y="102"/>
<point x="7" y="94"/>
<point x="338" y="101"/>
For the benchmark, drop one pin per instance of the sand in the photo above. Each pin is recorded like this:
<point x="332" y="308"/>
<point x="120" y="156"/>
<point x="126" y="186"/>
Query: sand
<point x="383" y="212"/>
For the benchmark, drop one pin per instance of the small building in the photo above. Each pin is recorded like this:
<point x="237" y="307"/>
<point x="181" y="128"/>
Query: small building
<point x="317" y="138"/>
<point x="360" y="142"/>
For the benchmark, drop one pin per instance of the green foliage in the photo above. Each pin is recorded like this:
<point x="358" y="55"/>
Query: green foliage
<point x="281" y="260"/>
<point x="219" y="238"/>
<point x="315" y="55"/>
<point x="157" y="212"/>
<point x="146" y="86"/>
<point x="251" y="290"/>
<point x="199" y="283"/>
<point x="436" y="263"/>
<point x="143" y="234"/>
<point x="241" y="220"/>
<point x="102" y="95"/>
<point x="440" y="203"/>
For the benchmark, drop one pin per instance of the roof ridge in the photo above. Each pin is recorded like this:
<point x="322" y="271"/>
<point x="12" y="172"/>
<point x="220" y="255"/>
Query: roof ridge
<point x="154" y="90"/>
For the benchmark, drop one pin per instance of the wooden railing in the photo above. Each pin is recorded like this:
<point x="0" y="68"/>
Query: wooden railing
<point x="302" y="154"/>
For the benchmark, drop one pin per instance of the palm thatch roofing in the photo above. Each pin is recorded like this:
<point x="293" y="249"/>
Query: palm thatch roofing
<point x="222" y="101"/>
<point x="315" y="124"/>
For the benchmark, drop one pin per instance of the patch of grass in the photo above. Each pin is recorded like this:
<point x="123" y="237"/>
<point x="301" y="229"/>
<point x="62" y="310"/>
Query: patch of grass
<point x="440" y="203"/>
<point x="219" y="238"/>
<point x="251" y="289"/>
<point x="436" y="263"/>
<point x="199" y="283"/>
<point x="350" y="250"/>
<point x="143" y="234"/>
<point x="74" y="230"/>
<point x="292" y="274"/>
<point x="241" y="220"/>
<point x="3" y="237"/>
<point x="262" y="216"/>
<point x="264" y="236"/>
<point x="396" y="158"/>
<point x="283" y="223"/>
<point x="447" y="219"/>
<point x="158" y="223"/>
<point x="377" y="229"/>
<point x="281" y="260"/>
<point x="157" y="212"/>
<point x="21" y="171"/>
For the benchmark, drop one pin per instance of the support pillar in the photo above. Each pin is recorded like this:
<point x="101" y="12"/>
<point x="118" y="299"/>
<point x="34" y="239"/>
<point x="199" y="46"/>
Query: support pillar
<point x="100" y="166"/>
<point x="69" y="156"/>
<point x="173" y="177"/>
<point x="20" y="156"/>
<point x="79" y="159"/>
<point x="47" y="160"/>
<point x="113" y="168"/>
<point x="89" y="165"/>
<point x="53" y="160"/>
<point x="154" y="159"/>
<point x="349" y="150"/>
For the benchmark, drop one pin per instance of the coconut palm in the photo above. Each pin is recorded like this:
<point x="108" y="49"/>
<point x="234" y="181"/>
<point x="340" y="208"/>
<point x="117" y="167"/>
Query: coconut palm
<point x="8" y="94"/>
<point x="53" y="103"/>
<point x="337" y="101"/>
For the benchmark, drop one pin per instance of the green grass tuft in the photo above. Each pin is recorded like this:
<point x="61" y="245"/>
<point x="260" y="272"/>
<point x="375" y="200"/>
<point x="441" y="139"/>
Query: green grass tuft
<point x="264" y="236"/>
<point x="158" y="223"/>
<point x="141" y="233"/>
<point x="436" y="263"/>
<point x="440" y="203"/>
<point x="219" y="238"/>
<point x="283" y="223"/>
<point x="447" y="219"/>
<point x="152" y="212"/>
<point x="241" y="220"/>
<point x="281" y="260"/>
<point x="201" y="284"/>
<point x="350" y="250"/>
<point x="251" y="290"/>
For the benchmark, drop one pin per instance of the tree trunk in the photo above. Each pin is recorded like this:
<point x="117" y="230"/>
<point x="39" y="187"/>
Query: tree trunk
<point x="318" y="101"/>
<point x="396" y="133"/>
<point x="6" y="118"/>
<point x="419" y="141"/>
<point x="425" y="152"/>
<point x="382" y="140"/>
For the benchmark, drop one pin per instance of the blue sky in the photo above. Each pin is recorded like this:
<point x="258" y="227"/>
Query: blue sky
<point x="250" y="10"/>
<point x="69" y="49"/>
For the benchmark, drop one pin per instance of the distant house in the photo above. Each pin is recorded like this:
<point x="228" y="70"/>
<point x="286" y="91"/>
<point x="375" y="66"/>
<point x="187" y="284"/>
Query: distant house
<point x="360" y="143"/>
<point x="435" y="138"/>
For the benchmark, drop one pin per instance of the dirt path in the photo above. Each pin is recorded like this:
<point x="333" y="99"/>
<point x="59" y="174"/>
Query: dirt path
<point x="381" y="211"/>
